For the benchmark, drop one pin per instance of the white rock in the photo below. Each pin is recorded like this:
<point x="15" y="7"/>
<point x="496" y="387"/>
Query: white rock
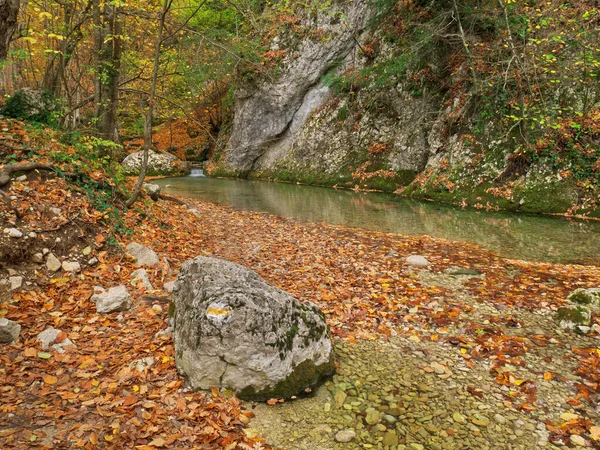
<point x="52" y="263"/>
<point x="15" y="283"/>
<point x="9" y="331"/>
<point x="144" y="256"/>
<point x="71" y="266"/>
<point x="142" y="276"/>
<point x="21" y="178"/>
<point x="195" y="212"/>
<point x="48" y="338"/>
<point x="32" y="235"/>
<point x="93" y="261"/>
<point x="13" y="232"/>
<point x="417" y="260"/>
<point x="45" y="251"/>
<point x="345" y="435"/>
<point x="115" y="299"/>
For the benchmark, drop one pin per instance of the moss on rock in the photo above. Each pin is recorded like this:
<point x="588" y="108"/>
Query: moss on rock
<point x="305" y="375"/>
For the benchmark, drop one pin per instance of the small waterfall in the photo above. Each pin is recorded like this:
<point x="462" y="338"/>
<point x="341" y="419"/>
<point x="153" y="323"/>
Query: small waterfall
<point x="197" y="173"/>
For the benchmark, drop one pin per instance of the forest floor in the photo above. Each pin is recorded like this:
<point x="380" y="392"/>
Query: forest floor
<point x="426" y="359"/>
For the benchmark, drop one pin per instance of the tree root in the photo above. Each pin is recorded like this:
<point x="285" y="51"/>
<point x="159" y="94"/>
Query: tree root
<point x="9" y="169"/>
<point x="172" y="199"/>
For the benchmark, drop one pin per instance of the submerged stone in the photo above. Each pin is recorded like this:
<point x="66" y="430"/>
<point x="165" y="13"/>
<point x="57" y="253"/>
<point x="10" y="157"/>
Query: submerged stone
<point x="235" y="331"/>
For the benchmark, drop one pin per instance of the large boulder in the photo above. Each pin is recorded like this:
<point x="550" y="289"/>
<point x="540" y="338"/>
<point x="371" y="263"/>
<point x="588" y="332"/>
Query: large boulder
<point x="30" y="104"/>
<point x="159" y="163"/>
<point x="115" y="299"/>
<point x="235" y="331"/>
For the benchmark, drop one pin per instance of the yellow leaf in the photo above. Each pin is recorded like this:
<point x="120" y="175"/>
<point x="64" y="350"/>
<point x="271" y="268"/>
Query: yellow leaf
<point x="93" y="438"/>
<point x="548" y="376"/>
<point x="463" y="350"/>
<point x="595" y="433"/>
<point x="519" y="382"/>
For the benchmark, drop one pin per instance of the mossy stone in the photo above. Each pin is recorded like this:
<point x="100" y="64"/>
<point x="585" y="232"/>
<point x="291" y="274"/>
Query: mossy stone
<point x="585" y="297"/>
<point x="573" y="315"/>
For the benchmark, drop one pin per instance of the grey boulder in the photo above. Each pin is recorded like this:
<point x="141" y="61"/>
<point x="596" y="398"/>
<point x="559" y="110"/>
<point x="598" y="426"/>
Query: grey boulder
<point x="235" y="331"/>
<point x="115" y="299"/>
<point x="9" y="331"/>
<point x="144" y="256"/>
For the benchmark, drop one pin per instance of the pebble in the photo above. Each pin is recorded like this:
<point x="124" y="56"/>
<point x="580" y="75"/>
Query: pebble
<point x="345" y="435"/>
<point x="13" y="232"/>
<point x="15" y="283"/>
<point x="52" y="263"/>
<point x="71" y="266"/>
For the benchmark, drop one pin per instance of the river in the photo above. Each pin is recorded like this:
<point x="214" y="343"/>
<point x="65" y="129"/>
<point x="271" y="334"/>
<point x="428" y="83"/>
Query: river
<point x="517" y="236"/>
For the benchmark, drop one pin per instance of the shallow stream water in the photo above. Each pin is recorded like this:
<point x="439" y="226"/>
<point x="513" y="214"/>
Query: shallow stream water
<point x="518" y="236"/>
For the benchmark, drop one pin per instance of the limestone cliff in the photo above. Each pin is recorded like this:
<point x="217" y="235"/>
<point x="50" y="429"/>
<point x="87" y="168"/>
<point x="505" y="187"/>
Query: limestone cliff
<point x="352" y="107"/>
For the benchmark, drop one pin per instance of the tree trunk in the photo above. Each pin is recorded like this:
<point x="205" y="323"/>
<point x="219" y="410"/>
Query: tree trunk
<point x="9" y="9"/>
<point x="108" y="45"/>
<point x="151" y="99"/>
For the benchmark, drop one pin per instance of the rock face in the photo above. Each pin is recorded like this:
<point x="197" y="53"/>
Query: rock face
<point x="269" y="116"/>
<point x="233" y="330"/>
<point x="144" y="256"/>
<point x="9" y="331"/>
<point x="159" y="163"/>
<point x="115" y="299"/>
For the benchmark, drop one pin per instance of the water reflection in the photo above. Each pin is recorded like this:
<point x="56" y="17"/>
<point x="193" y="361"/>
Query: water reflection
<point x="528" y="237"/>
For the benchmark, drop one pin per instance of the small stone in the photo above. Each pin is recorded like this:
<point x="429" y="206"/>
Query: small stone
<point x="373" y="416"/>
<point x="459" y="418"/>
<point x="32" y="235"/>
<point x="52" y="263"/>
<point x="170" y="286"/>
<point x="48" y="339"/>
<point x="71" y="266"/>
<point x="115" y="299"/>
<point x="21" y="178"/>
<point x="195" y="212"/>
<point x="157" y="309"/>
<point x="577" y="440"/>
<point x="390" y="439"/>
<point x="37" y="258"/>
<point x="345" y="435"/>
<point x="15" y="283"/>
<point x="340" y="398"/>
<point x="417" y="260"/>
<point x="390" y="419"/>
<point x="416" y="446"/>
<point x="93" y="261"/>
<point x="144" y="256"/>
<point x="151" y="189"/>
<point x="480" y="421"/>
<point x="142" y="277"/>
<point x="500" y="419"/>
<point x="13" y="232"/>
<point x="86" y="251"/>
<point x="9" y="331"/>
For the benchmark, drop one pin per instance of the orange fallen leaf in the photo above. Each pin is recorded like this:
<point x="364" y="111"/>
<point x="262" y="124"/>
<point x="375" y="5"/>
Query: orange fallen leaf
<point x="272" y="401"/>
<point x="50" y="379"/>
